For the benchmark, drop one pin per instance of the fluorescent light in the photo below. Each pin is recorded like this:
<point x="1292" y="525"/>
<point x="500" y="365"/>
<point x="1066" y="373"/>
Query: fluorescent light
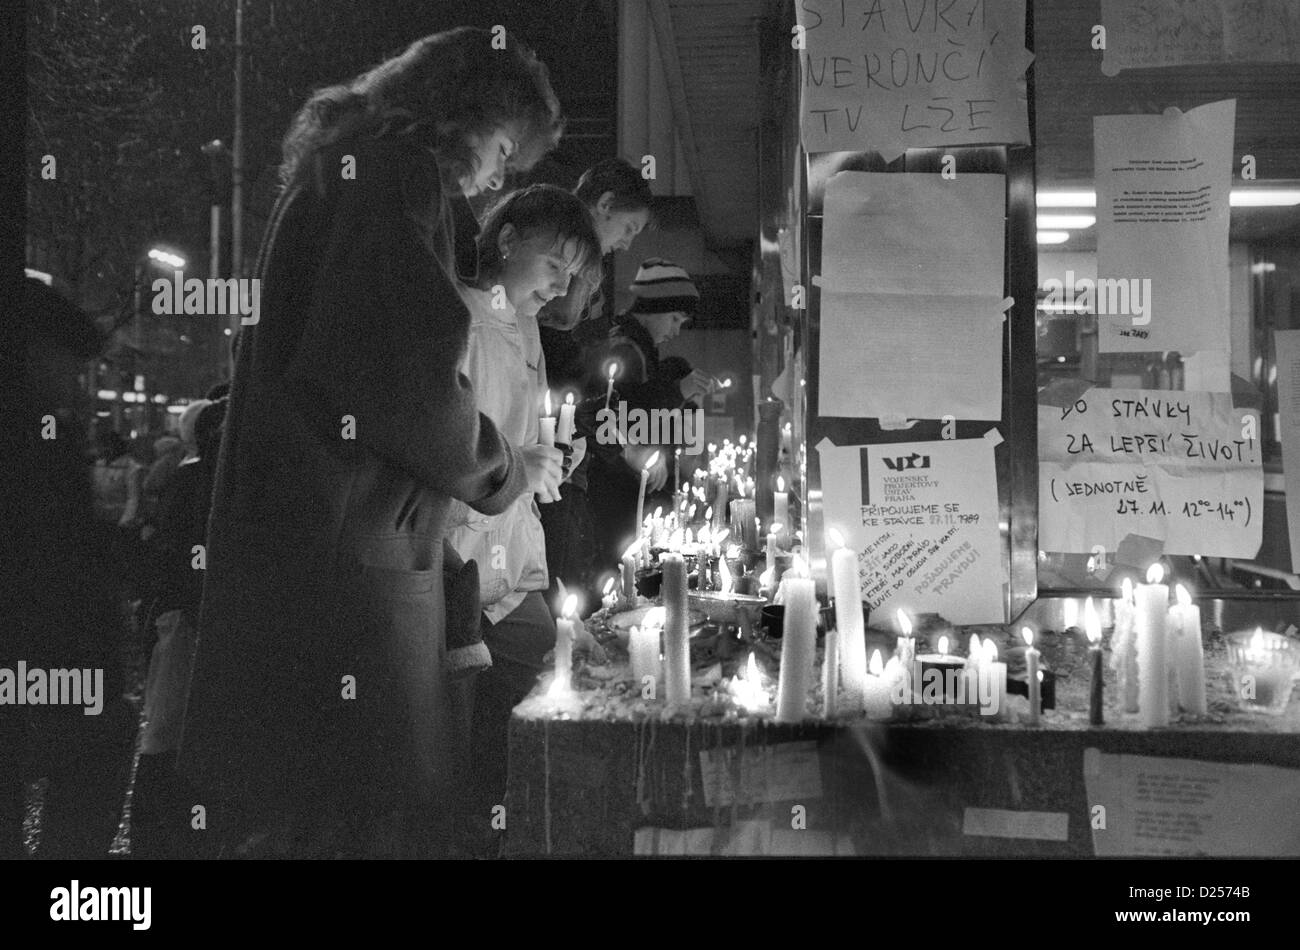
<point x="1237" y="198"/>
<point x="107" y="394"/>
<point x="1053" y="237"/>
<point x="1264" y="197"/>
<point x="164" y="257"/>
<point x="1066" y="199"/>
<point x="1066" y="221"/>
<point x="160" y="399"/>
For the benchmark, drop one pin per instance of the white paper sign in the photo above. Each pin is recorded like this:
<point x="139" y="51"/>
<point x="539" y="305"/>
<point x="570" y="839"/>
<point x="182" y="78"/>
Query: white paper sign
<point x="923" y="517"/>
<point x="1146" y="33"/>
<point x="1184" y="807"/>
<point x="888" y="75"/>
<point x="1162" y="229"/>
<point x="1287" y="348"/>
<point x="1180" y="467"/>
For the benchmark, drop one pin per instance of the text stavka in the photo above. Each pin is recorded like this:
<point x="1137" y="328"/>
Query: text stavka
<point x="103" y="903"/>
<point x="40" y="687"/>
<point x="209" y="297"/>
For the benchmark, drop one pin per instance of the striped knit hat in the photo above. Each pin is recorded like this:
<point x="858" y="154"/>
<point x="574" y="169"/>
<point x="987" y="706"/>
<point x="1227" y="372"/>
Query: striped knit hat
<point x="663" y="287"/>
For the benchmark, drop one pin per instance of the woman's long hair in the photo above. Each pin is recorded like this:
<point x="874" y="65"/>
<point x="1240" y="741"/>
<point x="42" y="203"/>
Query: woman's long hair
<point x="441" y="90"/>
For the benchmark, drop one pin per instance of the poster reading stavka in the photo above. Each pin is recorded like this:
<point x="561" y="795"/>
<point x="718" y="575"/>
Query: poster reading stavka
<point x="923" y="517"/>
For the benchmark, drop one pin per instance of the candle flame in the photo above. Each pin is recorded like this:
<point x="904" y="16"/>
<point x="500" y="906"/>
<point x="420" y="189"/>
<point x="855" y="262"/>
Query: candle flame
<point x="1028" y="635"/>
<point x="904" y="623"/>
<point x="650" y="462"/>
<point x="1092" y="565"/>
<point x="875" y="667"/>
<point x="654" y="617"/>
<point x="659" y="512"/>
<point x="609" y="586"/>
<point x="613" y="369"/>
<point x="1155" y="573"/>
<point x="568" y="399"/>
<point x="974" y="650"/>
<point x="1070" y="612"/>
<point x="837" y="539"/>
<point x="1184" y="598"/>
<point x="570" y="606"/>
<point x="990" y="650"/>
<point x="780" y="483"/>
<point x="943" y="645"/>
<point x="752" y="672"/>
<point x="633" y="550"/>
<point x="722" y="536"/>
<point x="742" y="440"/>
<point x="1126" y="590"/>
<point x="776" y="528"/>
<point x="1091" y="621"/>
<point x="724" y="575"/>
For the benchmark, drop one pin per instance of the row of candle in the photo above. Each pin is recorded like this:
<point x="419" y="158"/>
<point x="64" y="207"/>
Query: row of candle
<point x="1158" y="651"/>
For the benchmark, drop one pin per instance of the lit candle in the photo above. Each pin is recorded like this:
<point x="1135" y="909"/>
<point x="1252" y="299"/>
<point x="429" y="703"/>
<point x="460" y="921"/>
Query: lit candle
<point x="941" y="663"/>
<point x="564" y="432"/>
<point x="609" y="387"/>
<point x="609" y="594"/>
<point x="746" y="687"/>
<point x="1031" y="674"/>
<point x="546" y="424"/>
<point x="1092" y="626"/>
<point x="905" y="651"/>
<point x="1151" y="610"/>
<point x="1191" y="655"/>
<point x="798" y="647"/>
<point x="997" y="675"/>
<point x="876" y="687"/>
<point x="640" y="495"/>
<point x="780" y="502"/>
<point x="849" y="622"/>
<point x="677" y="654"/>
<point x="564" y="647"/>
<point x="628" y="568"/>
<point x="1124" y="649"/>
<point x="831" y="673"/>
<point x="720" y="504"/>
<point x="772" y="534"/>
<point x="643" y="649"/>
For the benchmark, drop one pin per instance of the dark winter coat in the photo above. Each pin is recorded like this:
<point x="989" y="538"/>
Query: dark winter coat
<point x="321" y="634"/>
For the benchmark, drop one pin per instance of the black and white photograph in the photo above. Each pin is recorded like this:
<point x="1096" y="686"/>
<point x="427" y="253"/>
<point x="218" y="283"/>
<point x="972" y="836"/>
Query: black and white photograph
<point x="708" y="430"/>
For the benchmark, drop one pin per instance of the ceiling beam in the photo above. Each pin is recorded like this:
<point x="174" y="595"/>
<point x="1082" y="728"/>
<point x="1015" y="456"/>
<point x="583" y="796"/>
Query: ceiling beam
<point x="661" y="19"/>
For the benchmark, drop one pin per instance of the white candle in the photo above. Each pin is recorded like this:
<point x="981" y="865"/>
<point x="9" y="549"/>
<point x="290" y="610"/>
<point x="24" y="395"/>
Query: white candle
<point x="1191" y="656"/>
<point x="1031" y="674"/>
<point x="564" y="647"/>
<point x="677" y="653"/>
<point x="1151" y="610"/>
<point x="609" y="387"/>
<point x="905" y="651"/>
<point x="628" y="568"/>
<point x="780" y="502"/>
<point x="640" y="495"/>
<point x="997" y="675"/>
<point x="564" y="432"/>
<point x="643" y="648"/>
<point x="798" y="648"/>
<point x="876" y="687"/>
<point x="847" y="591"/>
<point x="831" y="674"/>
<point x="720" y="504"/>
<point x="546" y="424"/>
<point x="1124" y="649"/>
<point x="773" y="533"/>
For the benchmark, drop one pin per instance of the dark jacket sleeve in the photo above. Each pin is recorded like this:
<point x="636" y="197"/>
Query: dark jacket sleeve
<point x="390" y="334"/>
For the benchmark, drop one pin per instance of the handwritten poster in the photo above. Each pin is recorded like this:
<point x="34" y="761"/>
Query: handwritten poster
<point x="1287" y="348"/>
<point x="911" y="299"/>
<point x="888" y="75"/>
<point x="923" y="517"/>
<point x="1184" y="807"/>
<point x="1162" y="229"/>
<point x="1180" y="467"/>
<point x="1146" y="33"/>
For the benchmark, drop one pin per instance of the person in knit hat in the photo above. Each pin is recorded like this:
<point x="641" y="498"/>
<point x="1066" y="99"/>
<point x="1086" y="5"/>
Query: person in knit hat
<point x="665" y="301"/>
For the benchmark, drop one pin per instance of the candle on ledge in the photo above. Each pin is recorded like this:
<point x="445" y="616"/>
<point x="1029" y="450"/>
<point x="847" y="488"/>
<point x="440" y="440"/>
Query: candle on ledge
<point x="747" y="690"/>
<point x="997" y="675"/>
<point x="846" y="589"/>
<point x="1151" y="611"/>
<point x="609" y="594"/>
<point x="609" y="387"/>
<point x="939" y="690"/>
<point x="640" y="495"/>
<point x="1031" y="675"/>
<point x="1092" y="626"/>
<point x="546" y="423"/>
<point x="773" y="533"/>
<point x="563" y="682"/>
<point x="720" y="504"/>
<point x="1124" y="649"/>
<point x="643" y="649"/>
<point x="831" y="674"/>
<point x="905" y="652"/>
<point x="780" y="503"/>
<point x="627" y="566"/>
<point x="1191" y="656"/>
<point x="564" y="431"/>
<point x="798" y="645"/>
<point x="677" y="653"/>
<point x="876" y="688"/>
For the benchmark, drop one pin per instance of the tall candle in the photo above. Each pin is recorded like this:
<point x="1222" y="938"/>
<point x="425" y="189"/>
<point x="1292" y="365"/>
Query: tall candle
<point x="628" y="569"/>
<point x="609" y="387"/>
<point x="798" y="648"/>
<point x="546" y="424"/>
<point x="1124" y="645"/>
<point x="640" y="495"/>
<point x="1031" y="674"/>
<point x="564" y="646"/>
<point x="643" y="649"/>
<point x="1092" y="626"/>
<point x="831" y="674"/>
<point x="564" y="432"/>
<point x="1191" y="656"/>
<point x="720" y="504"/>
<point x="997" y="675"/>
<point x="876" y="688"/>
<point x="905" y="652"/>
<point x="677" y="654"/>
<point x="849" y="622"/>
<point x="1151" y="610"/>
<point x="772" y="534"/>
<point x="780" y="503"/>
